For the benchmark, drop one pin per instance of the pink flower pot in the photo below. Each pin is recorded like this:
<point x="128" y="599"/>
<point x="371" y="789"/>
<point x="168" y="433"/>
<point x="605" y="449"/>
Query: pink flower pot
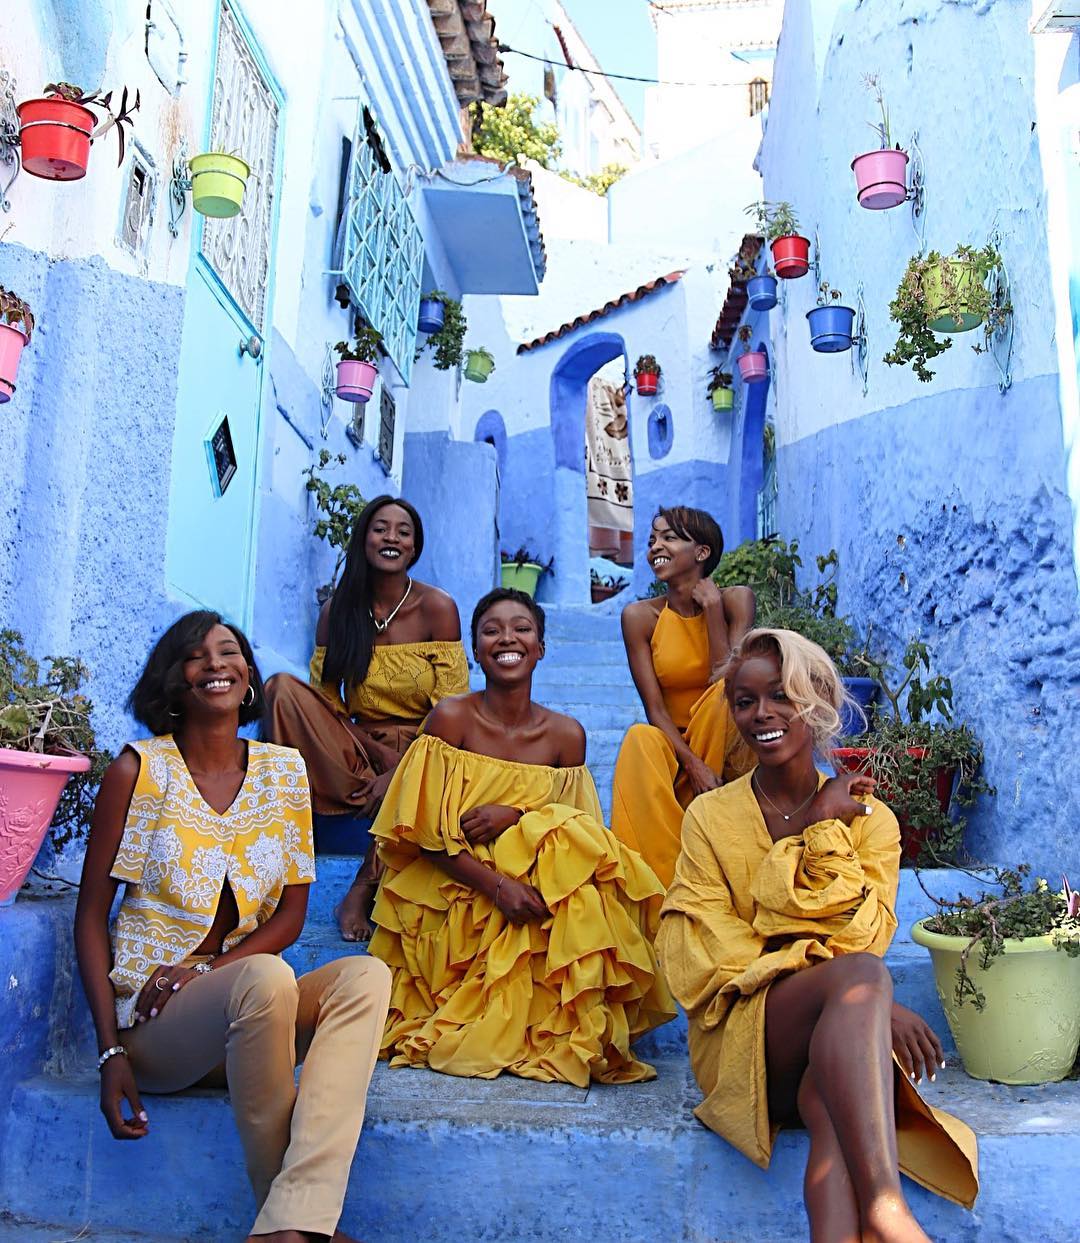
<point x="355" y="380"/>
<point x="30" y="788"/>
<point x="881" y="178"/>
<point x="753" y="367"/>
<point x="12" y="343"/>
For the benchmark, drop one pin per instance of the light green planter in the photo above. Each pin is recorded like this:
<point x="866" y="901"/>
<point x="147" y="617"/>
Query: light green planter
<point x="478" y="366"/>
<point x="939" y="319"/>
<point x="218" y="182"/>
<point x="1029" y="1030"/>
<point x="723" y="399"/>
<point x="521" y="577"/>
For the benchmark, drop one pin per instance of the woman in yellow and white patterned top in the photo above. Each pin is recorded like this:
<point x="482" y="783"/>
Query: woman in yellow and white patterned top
<point x="211" y="836"/>
<point x="387" y="650"/>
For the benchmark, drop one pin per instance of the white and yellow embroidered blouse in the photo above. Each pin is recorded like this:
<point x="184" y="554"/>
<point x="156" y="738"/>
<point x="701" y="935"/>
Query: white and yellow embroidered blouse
<point x="177" y="851"/>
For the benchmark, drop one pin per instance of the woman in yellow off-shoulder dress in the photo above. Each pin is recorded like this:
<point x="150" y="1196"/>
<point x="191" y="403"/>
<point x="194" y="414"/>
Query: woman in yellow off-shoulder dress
<point x="517" y="928"/>
<point x="772" y="937"/>
<point x="387" y="649"/>
<point x="677" y="644"/>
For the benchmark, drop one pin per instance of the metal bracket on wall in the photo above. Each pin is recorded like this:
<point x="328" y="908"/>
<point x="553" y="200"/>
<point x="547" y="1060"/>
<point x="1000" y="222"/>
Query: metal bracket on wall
<point x="860" y="345"/>
<point x="998" y="330"/>
<point x="327" y="387"/>
<point x="917" y="189"/>
<point x="9" y="137"/>
<point x="179" y="187"/>
<point x="815" y="265"/>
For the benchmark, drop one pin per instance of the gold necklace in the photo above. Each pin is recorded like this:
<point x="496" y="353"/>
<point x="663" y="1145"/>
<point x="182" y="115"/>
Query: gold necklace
<point x="787" y="815"/>
<point x="380" y="626"/>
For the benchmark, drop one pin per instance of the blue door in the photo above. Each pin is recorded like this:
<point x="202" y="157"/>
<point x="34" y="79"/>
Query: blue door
<point x="212" y="494"/>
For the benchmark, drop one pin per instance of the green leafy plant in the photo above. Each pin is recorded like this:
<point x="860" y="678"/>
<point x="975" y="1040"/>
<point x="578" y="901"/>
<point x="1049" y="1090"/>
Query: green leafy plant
<point x="44" y="711"/>
<point x="647" y="363"/>
<point x="365" y="347"/>
<point x="512" y="133"/>
<point x="481" y="351"/>
<point x="599" y="183"/>
<point x="99" y="102"/>
<point x="524" y="557"/>
<point x="449" y="342"/>
<point x="339" y="505"/>
<point x="13" y="310"/>
<point x="962" y="279"/>
<point x="990" y="920"/>
<point x="718" y="378"/>
<point x="774" y="219"/>
<point x="883" y="130"/>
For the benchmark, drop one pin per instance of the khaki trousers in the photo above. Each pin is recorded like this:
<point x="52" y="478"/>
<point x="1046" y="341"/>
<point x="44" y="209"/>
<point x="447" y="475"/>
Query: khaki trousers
<point x="260" y="1020"/>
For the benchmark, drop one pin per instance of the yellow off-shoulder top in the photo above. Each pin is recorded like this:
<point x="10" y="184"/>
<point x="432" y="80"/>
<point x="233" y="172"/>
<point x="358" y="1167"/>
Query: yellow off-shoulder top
<point x="404" y="680"/>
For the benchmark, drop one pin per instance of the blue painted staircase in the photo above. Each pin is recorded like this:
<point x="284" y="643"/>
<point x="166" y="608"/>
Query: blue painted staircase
<point x="452" y="1159"/>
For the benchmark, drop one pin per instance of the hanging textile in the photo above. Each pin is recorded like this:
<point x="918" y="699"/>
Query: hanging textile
<point x="609" y="476"/>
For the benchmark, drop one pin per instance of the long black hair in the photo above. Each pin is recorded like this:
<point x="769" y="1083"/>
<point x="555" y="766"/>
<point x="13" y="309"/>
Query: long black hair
<point x="155" y="697"/>
<point x="351" y="636"/>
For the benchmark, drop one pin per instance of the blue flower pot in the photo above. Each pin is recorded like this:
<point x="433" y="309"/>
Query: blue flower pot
<point x="831" y="328"/>
<point x="864" y="691"/>
<point x="432" y="315"/>
<point x="761" y="290"/>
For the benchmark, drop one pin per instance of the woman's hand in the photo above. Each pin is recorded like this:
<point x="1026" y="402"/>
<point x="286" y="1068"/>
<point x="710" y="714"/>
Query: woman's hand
<point x="707" y="595"/>
<point x="166" y="982"/>
<point x="519" y="902"/>
<point x="915" y="1044"/>
<point x="484" y="824"/>
<point x="840" y="798"/>
<point x="701" y="776"/>
<point x="118" y="1085"/>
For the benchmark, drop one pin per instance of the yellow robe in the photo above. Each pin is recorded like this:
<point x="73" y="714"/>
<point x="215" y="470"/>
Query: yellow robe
<point x="650" y="791"/>
<point x="404" y="680"/>
<point x="743" y="911"/>
<point x="474" y="994"/>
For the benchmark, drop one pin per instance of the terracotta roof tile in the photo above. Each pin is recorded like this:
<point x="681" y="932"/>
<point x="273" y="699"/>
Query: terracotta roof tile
<point x="633" y="295"/>
<point x="466" y="31"/>
<point x="735" y="302"/>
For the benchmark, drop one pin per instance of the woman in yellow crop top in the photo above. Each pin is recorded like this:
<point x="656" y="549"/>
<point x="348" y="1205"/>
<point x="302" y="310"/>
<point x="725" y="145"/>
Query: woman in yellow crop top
<point x="387" y="650"/>
<point x="677" y="645"/>
<point x="211" y="836"/>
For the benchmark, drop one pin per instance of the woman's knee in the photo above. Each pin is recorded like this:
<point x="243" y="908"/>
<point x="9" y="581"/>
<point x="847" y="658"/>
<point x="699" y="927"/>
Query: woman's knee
<point x="644" y="736"/>
<point x="860" y="977"/>
<point x="362" y="975"/>
<point x="263" y="981"/>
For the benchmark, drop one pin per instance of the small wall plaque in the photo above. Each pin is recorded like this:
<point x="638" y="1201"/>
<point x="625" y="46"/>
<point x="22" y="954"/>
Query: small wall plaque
<point x="221" y="456"/>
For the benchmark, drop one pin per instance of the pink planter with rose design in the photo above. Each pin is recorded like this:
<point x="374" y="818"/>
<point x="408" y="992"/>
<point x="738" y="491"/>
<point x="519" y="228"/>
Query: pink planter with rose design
<point x="12" y="343"/>
<point x="30" y="788"/>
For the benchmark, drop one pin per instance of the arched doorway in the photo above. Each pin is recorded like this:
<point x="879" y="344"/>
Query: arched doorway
<point x="570" y="385"/>
<point x="491" y="430"/>
<point x="752" y="458"/>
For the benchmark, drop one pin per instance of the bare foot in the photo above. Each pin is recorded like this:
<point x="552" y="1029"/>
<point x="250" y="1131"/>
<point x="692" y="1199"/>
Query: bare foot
<point x="891" y="1221"/>
<point x="354" y="912"/>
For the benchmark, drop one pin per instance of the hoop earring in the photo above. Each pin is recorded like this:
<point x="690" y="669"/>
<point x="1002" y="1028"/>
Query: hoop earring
<point x="173" y="712"/>
<point x="245" y="702"/>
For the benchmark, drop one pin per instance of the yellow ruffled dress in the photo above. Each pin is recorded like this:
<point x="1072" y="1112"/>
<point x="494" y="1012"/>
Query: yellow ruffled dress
<point x="745" y="910"/>
<point x="473" y="994"/>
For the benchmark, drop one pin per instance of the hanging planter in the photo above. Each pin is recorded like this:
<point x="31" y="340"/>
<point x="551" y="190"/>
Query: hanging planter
<point x="479" y="364"/>
<point x="952" y="289"/>
<point x="791" y="256"/>
<point x="881" y="175"/>
<point x="761" y="292"/>
<point x="432" y="314"/>
<point x="359" y="365"/>
<point x="647" y="372"/>
<point x="30" y="789"/>
<point x="790" y="250"/>
<point x="218" y="182"/>
<point x="720" y="391"/>
<point x="55" y="131"/>
<point x="521" y="571"/>
<point x="13" y="340"/>
<point x="831" y="325"/>
<point x="753" y="364"/>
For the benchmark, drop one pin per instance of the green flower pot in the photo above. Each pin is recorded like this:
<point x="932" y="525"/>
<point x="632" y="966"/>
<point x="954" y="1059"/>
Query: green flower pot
<point x="723" y="399"/>
<point x="938" y="318"/>
<point x="478" y="367"/>
<point x="1029" y="1030"/>
<point x="521" y="577"/>
<point x="218" y="182"/>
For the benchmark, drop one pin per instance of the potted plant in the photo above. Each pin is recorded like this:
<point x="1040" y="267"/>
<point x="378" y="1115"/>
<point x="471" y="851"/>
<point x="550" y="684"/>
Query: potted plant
<point x="880" y="175"/>
<point x="761" y="291"/>
<point x="339" y="506"/>
<point x="55" y="131"/>
<point x="45" y="738"/>
<point x="448" y="342"/>
<point x="944" y="294"/>
<point x="358" y="365"/>
<point x="778" y="223"/>
<point x="647" y="372"/>
<point x="1010" y="994"/>
<point x="432" y="313"/>
<point x="522" y="570"/>
<point x="479" y="364"/>
<point x="831" y="324"/>
<point x="13" y="310"/>
<point x="924" y="768"/>
<point x="753" y="364"/>
<point x="720" y="390"/>
<point x="218" y="182"/>
<point x="603" y="586"/>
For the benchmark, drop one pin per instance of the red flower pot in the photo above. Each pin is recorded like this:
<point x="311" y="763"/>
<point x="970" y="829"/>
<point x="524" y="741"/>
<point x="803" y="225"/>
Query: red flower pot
<point x="12" y="343"/>
<point x="753" y="367"/>
<point x="647" y="382"/>
<point x="856" y="760"/>
<point x="791" y="256"/>
<point x="55" y="138"/>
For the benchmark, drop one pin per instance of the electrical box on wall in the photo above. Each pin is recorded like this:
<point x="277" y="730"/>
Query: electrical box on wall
<point x="1059" y="15"/>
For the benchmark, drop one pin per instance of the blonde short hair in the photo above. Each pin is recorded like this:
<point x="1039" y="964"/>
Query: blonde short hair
<point x="808" y="676"/>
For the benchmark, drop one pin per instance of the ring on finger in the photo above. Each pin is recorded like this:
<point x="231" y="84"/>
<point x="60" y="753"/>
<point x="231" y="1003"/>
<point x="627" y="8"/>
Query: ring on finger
<point x="161" y="982"/>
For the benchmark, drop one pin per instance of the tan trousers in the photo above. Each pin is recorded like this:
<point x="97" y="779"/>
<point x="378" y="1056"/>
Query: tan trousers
<point x="260" y="1020"/>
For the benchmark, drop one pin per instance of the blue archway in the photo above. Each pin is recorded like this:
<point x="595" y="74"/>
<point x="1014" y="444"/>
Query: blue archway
<point x="491" y="429"/>
<point x="755" y="399"/>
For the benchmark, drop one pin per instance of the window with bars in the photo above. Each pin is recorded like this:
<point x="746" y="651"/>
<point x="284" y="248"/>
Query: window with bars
<point x="759" y="96"/>
<point x="382" y="253"/>
<point x="766" y="502"/>
<point x="387" y="415"/>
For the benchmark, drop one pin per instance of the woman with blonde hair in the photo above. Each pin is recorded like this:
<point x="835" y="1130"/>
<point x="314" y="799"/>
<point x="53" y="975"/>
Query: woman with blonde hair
<point x="772" y="937"/>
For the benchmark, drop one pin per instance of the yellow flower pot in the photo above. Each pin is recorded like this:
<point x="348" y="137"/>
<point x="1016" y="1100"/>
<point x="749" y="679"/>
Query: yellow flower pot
<point x="218" y="182"/>
<point x="937" y="316"/>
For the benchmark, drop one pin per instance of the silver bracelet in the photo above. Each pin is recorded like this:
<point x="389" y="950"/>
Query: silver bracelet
<point x="117" y="1050"/>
